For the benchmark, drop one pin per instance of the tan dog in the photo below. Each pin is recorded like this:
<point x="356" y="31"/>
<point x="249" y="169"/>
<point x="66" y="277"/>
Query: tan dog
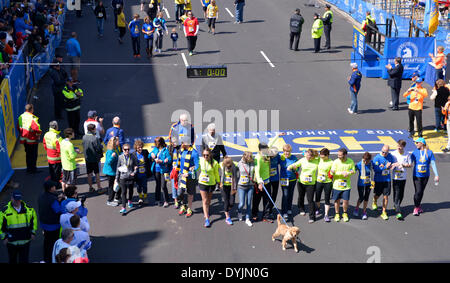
<point x="288" y="233"/>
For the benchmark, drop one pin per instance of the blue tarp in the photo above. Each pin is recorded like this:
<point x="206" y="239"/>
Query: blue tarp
<point x="5" y="164"/>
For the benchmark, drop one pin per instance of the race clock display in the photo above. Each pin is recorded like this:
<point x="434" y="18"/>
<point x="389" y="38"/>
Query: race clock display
<point x="215" y="71"/>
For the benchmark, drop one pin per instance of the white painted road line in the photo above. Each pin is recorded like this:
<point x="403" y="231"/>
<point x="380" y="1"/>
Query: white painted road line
<point x="167" y="12"/>
<point x="267" y="59"/>
<point x="184" y="59"/>
<point x="231" y="14"/>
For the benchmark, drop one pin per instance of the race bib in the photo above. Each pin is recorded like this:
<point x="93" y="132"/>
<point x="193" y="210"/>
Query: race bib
<point x="191" y="29"/>
<point x="398" y="174"/>
<point x="322" y="177"/>
<point x="421" y="168"/>
<point x="100" y="15"/>
<point x="211" y="145"/>
<point x="117" y="6"/>
<point x="284" y="182"/>
<point x="227" y="180"/>
<point x="366" y="179"/>
<point x="204" y="178"/>
<point x="385" y="172"/>
<point x="342" y="184"/>
<point x="307" y="179"/>
<point x="244" y="180"/>
<point x="141" y="170"/>
<point x="166" y="177"/>
<point x="273" y="172"/>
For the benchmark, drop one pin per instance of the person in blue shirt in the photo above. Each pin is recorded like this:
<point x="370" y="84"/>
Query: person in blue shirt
<point x="421" y="159"/>
<point x="355" y="84"/>
<point x="364" y="183"/>
<point x="187" y="168"/>
<point x="133" y="26"/>
<point x="160" y="25"/>
<point x="382" y="165"/>
<point x="115" y="131"/>
<point x="161" y="167"/>
<point x="274" y="179"/>
<point x="21" y="26"/>
<point x="143" y="163"/>
<point x="288" y="180"/>
<point x="148" y="30"/>
<point x="74" y="53"/>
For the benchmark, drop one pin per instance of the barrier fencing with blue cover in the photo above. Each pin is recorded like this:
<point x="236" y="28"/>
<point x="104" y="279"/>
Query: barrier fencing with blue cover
<point x="22" y="77"/>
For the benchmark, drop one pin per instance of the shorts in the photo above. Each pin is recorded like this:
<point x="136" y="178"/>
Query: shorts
<point x="69" y="177"/>
<point x="205" y="8"/>
<point x="382" y="188"/>
<point x="92" y="167"/>
<point x="344" y="195"/>
<point x="206" y="188"/>
<point x="75" y="61"/>
<point x="212" y="22"/>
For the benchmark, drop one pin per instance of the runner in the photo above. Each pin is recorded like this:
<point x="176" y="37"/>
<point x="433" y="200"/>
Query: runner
<point x="307" y="181"/>
<point x="148" y="30"/>
<point x="159" y="24"/>
<point x="324" y="182"/>
<point x="141" y="156"/>
<point x="422" y="158"/>
<point x="212" y="12"/>
<point x="133" y="26"/>
<point x="205" y="4"/>
<point x="364" y="184"/>
<point x="174" y="150"/>
<point x="342" y="169"/>
<point x="191" y="28"/>
<point x="228" y="181"/>
<point x="382" y="164"/>
<point x="288" y="179"/>
<point x="161" y="168"/>
<point x="399" y="176"/>
<point x="246" y="186"/>
<point x="126" y="170"/>
<point x="187" y="166"/>
<point x="208" y="178"/>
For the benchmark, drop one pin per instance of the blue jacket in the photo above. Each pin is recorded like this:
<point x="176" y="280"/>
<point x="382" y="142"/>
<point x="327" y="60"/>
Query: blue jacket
<point x="163" y="167"/>
<point x="110" y="166"/>
<point x="274" y="171"/>
<point x="284" y="164"/>
<point x="21" y="26"/>
<point x="355" y="80"/>
<point x="114" y="132"/>
<point x="73" y="48"/>
<point x="194" y="161"/>
<point x="379" y="168"/>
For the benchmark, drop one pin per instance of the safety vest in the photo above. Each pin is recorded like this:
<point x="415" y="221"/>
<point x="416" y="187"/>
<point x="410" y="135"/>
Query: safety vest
<point x="72" y="101"/>
<point x="18" y="227"/>
<point x="326" y="14"/>
<point x="317" y="28"/>
<point x="51" y="145"/>
<point x="29" y="128"/>
<point x="368" y="21"/>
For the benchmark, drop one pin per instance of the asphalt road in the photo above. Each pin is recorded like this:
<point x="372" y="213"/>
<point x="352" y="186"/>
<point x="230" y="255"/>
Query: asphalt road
<point x="310" y="91"/>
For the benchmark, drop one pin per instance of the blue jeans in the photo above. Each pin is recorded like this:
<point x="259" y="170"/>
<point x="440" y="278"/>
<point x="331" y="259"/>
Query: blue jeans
<point x="245" y="197"/>
<point x="288" y="195"/>
<point x="100" y="25"/>
<point x="240" y="12"/>
<point x="354" y="104"/>
<point x="174" y="190"/>
<point x="439" y="118"/>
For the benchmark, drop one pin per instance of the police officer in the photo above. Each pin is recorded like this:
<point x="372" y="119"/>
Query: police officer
<point x="295" y="25"/>
<point x="51" y="143"/>
<point x="327" y="21"/>
<point x="59" y="77"/>
<point x="18" y="224"/>
<point x="30" y="133"/>
<point x="316" y="32"/>
<point x="72" y="101"/>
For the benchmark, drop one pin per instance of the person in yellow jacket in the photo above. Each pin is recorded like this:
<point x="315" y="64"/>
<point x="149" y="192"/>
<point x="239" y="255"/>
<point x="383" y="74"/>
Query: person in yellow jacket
<point x="72" y="101"/>
<point x="316" y="32"/>
<point x="51" y="142"/>
<point x="30" y="133"/>
<point x="18" y="227"/>
<point x="207" y="180"/>
<point x="68" y="155"/>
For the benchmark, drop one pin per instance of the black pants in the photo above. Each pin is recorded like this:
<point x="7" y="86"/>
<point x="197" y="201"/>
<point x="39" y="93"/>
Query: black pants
<point x="191" y="42"/>
<point x="126" y="185"/>
<point x="440" y="74"/>
<point x="149" y="48"/>
<point x="115" y="17"/>
<point x="228" y="198"/>
<point x="294" y="39"/>
<point x="258" y="195"/>
<point x="395" y="94"/>
<point x="399" y="189"/>
<point x="159" y="39"/>
<point x="111" y="192"/>
<point x="307" y="190"/>
<point x="73" y="119"/>
<point x="136" y="43"/>
<point x="316" y="45"/>
<point x="327" y="32"/>
<point x="50" y="237"/>
<point x="55" y="172"/>
<point x="419" y="188"/>
<point x="58" y="103"/>
<point x="274" y="185"/>
<point x="161" y="183"/>
<point x="31" y="153"/>
<point x="418" y="115"/>
<point x="19" y="253"/>
<point x="326" y="188"/>
<point x="122" y="31"/>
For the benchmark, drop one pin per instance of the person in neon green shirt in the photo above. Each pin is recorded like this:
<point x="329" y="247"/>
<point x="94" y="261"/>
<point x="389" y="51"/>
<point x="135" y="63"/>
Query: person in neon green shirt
<point x="324" y="182"/>
<point x="228" y="179"/>
<point x="68" y="155"/>
<point x="307" y="181"/>
<point x="342" y="169"/>
<point x="316" y="32"/>
<point x="207" y="180"/>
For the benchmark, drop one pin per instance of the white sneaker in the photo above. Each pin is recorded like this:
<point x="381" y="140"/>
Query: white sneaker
<point x="248" y="222"/>
<point x="349" y="111"/>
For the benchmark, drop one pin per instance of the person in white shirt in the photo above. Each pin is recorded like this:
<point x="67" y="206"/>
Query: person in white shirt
<point x="81" y="239"/>
<point x="72" y="209"/>
<point x="64" y="242"/>
<point x="98" y="122"/>
<point x="399" y="175"/>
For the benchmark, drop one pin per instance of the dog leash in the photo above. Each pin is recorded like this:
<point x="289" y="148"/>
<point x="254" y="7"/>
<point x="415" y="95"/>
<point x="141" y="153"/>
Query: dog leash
<point x="274" y="205"/>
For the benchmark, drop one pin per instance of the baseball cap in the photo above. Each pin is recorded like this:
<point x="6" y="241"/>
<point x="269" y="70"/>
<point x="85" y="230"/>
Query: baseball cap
<point x="421" y="140"/>
<point x="419" y="80"/>
<point x="328" y="6"/>
<point x="71" y="206"/>
<point x="49" y="184"/>
<point x="354" y="65"/>
<point x="316" y="15"/>
<point x="92" y="114"/>
<point x="17" y="195"/>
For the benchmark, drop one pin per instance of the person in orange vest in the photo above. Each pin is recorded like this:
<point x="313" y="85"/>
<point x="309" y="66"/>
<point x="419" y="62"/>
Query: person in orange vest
<point x="30" y="133"/>
<point x="51" y="145"/>
<point x="417" y="95"/>
<point x="439" y="61"/>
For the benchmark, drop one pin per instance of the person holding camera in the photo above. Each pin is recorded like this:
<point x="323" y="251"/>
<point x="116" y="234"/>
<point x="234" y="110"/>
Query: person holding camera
<point x="71" y="194"/>
<point x="97" y="121"/>
<point x="72" y="101"/>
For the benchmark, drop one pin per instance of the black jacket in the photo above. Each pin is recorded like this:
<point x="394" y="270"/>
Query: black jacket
<point x="99" y="10"/>
<point x="46" y="214"/>
<point x="147" y="160"/>
<point x="59" y="78"/>
<point x="296" y="23"/>
<point x="93" y="150"/>
<point x="395" y="77"/>
<point x="442" y="97"/>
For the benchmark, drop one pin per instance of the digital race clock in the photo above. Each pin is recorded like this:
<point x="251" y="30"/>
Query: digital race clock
<point x="215" y="71"/>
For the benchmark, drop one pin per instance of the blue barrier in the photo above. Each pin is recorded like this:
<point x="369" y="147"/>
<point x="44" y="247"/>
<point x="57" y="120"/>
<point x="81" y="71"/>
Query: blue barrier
<point x="5" y="164"/>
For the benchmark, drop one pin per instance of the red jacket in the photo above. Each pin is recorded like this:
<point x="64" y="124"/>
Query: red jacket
<point x="29" y="128"/>
<point x="51" y="145"/>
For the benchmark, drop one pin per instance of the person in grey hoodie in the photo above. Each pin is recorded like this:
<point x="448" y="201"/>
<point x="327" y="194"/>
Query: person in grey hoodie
<point x="246" y="185"/>
<point x="295" y="25"/>
<point x="93" y="152"/>
<point x="126" y="170"/>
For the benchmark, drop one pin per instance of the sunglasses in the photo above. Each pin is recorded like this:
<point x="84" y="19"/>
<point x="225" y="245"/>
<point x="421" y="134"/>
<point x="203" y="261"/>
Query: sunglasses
<point x="384" y="152"/>
<point x="126" y="149"/>
<point x="206" y="155"/>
